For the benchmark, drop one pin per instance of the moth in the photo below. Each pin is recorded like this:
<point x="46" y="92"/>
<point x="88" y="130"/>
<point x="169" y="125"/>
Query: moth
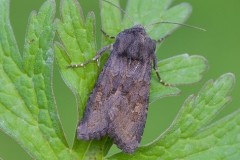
<point x="118" y="104"/>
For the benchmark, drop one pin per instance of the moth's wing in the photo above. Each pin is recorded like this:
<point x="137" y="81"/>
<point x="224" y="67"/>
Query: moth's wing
<point x="130" y="101"/>
<point x="94" y="123"/>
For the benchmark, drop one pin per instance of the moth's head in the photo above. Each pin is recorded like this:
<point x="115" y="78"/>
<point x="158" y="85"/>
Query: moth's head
<point x="138" y="29"/>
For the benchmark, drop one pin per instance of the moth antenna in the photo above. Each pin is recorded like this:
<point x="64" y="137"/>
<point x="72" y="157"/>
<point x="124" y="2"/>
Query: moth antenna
<point x="180" y="24"/>
<point x="122" y="10"/>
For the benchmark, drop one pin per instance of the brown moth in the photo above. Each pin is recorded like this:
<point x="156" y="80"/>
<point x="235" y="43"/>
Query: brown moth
<point x="118" y="103"/>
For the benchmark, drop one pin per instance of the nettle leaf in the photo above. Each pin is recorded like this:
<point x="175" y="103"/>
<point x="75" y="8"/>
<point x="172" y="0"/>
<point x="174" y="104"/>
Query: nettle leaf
<point x="28" y="112"/>
<point x="192" y="135"/>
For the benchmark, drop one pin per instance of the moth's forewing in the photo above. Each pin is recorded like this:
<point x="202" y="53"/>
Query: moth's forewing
<point x="118" y="103"/>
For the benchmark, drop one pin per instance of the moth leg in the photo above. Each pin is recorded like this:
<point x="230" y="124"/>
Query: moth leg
<point x="155" y="67"/>
<point x="162" y="39"/>
<point x="98" y="55"/>
<point x="106" y="35"/>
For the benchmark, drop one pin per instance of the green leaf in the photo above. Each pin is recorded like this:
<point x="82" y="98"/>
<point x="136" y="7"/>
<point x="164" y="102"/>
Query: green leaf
<point x="181" y="69"/>
<point x="111" y="17"/>
<point x="144" y="13"/>
<point x="192" y="136"/>
<point x="78" y="45"/>
<point x="27" y="108"/>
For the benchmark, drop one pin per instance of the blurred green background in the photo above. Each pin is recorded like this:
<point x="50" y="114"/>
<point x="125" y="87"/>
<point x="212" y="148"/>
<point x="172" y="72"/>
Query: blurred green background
<point x="220" y="45"/>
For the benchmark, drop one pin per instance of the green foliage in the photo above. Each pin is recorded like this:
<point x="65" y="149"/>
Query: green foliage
<point x="28" y="112"/>
<point x="178" y="70"/>
<point x="27" y="109"/>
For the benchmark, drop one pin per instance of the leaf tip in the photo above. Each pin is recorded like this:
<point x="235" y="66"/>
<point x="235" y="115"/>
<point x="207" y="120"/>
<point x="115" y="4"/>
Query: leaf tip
<point x="229" y="78"/>
<point x="187" y="8"/>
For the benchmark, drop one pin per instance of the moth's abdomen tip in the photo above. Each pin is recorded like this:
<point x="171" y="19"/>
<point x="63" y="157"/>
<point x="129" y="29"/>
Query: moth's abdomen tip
<point x="129" y="149"/>
<point x="126" y="147"/>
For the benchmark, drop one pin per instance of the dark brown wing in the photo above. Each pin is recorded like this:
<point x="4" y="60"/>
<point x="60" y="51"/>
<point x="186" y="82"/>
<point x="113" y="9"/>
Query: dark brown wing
<point x="129" y="103"/>
<point x="94" y="124"/>
<point x="95" y="121"/>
